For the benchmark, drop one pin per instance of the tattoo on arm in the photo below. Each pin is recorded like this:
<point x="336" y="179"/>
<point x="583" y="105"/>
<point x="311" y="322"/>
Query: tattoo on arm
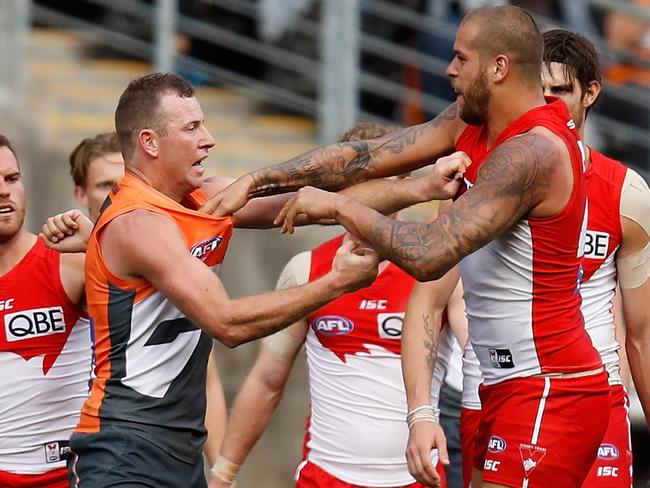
<point x="514" y="178"/>
<point x="339" y="165"/>
<point x="431" y="344"/>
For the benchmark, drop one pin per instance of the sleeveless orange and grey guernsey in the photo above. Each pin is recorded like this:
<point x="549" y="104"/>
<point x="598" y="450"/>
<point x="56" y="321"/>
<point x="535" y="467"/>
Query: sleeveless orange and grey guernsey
<point x="151" y="359"/>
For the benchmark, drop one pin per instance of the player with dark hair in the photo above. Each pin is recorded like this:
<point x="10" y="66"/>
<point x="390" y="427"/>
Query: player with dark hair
<point x="616" y="253"/>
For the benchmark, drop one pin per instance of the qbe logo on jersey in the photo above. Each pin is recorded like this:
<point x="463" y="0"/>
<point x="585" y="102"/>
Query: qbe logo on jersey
<point x="389" y="325"/>
<point x="596" y="244"/>
<point x="38" y="322"/>
<point x="332" y="325"/>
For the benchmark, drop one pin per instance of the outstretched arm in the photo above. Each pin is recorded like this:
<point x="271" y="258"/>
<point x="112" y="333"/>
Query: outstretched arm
<point x="142" y="244"/>
<point x="340" y="165"/>
<point x="524" y="174"/>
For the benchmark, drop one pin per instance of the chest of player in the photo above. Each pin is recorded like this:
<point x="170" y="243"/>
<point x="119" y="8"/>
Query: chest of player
<point x="603" y="223"/>
<point x="29" y="322"/>
<point x="35" y="326"/>
<point x="373" y="315"/>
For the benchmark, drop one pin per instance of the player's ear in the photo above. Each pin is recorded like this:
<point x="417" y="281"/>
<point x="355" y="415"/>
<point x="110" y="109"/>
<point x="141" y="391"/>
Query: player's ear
<point x="590" y="96"/>
<point x="500" y="68"/>
<point x="80" y="195"/>
<point x="148" y="141"/>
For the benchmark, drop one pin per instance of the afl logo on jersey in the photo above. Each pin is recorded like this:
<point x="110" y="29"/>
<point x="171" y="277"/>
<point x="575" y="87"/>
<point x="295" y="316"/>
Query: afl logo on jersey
<point x="332" y="325"/>
<point x="607" y="451"/>
<point x="496" y="444"/>
<point x="203" y="248"/>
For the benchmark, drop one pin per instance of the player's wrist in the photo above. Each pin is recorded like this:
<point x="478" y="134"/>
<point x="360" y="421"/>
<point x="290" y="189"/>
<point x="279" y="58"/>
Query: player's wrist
<point x="423" y="413"/>
<point x="225" y="470"/>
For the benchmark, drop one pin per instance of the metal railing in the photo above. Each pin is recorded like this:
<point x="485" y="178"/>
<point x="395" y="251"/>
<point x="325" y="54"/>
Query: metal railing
<point x="332" y="76"/>
<point x="14" y="22"/>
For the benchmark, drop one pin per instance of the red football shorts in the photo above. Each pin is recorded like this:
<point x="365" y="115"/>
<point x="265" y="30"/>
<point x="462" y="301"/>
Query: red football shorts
<point x="56" y="478"/>
<point x="613" y="466"/>
<point x="469" y="420"/>
<point x="541" y="432"/>
<point x="311" y="476"/>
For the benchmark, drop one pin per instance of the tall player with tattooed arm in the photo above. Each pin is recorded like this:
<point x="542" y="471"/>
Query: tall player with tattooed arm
<point x="517" y="231"/>
<point x="355" y="434"/>
<point x="616" y="249"/>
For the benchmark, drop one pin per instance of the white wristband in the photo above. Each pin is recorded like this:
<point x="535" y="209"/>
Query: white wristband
<point x="225" y="470"/>
<point x="424" y="413"/>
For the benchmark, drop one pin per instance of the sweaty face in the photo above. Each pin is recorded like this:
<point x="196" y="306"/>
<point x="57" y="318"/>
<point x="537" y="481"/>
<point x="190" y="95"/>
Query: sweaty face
<point x="12" y="196"/>
<point x="103" y="173"/>
<point x="468" y="77"/>
<point x="556" y="83"/>
<point x="183" y="144"/>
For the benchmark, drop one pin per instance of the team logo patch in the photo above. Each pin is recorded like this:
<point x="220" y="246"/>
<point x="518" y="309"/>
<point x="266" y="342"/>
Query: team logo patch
<point x="496" y="444"/>
<point x="389" y="325"/>
<point x="56" y="451"/>
<point x="607" y="451"/>
<point x="332" y="325"/>
<point x="501" y="358"/>
<point x="531" y="456"/>
<point x="205" y="247"/>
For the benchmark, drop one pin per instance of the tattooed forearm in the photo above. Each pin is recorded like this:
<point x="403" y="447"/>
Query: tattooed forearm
<point x="330" y="167"/>
<point x="340" y="165"/>
<point x="408" y="137"/>
<point x="431" y="344"/>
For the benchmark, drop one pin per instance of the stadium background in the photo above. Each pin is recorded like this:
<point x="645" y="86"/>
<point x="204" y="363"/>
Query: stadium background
<point x="274" y="77"/>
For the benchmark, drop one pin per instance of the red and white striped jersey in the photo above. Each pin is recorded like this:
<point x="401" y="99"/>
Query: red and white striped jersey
<point x="357" y="430"/>
<point x="605" y="179"/>
<point x="522" y="289"/>
<point x="45" y="359"/>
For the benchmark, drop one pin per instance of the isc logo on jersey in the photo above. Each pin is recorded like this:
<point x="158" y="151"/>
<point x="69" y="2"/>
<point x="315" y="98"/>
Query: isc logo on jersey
<point x="607" y="451"/>
<point x="203" y="248"/>
<point x="496" y="444"/>
<point x="28" y="324"/>
<point x="501" y="358"/>
<point x="596" y="244"/>
<point x="332" y="325"/>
